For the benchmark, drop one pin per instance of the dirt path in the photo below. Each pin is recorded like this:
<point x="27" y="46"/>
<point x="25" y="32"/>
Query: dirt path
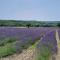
<point x="58" y="45"/>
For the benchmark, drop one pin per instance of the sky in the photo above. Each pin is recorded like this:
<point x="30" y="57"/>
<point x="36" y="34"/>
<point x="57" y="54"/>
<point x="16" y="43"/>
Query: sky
<point x="41" y="10"/>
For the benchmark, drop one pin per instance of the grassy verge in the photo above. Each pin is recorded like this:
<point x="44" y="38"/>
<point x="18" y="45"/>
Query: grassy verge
<point x="6" y="48"/>
<point x="44" y="53"/>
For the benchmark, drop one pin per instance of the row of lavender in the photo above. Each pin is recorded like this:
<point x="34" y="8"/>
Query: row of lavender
<point x="22" y="33"/>
<point x="47" y="47"/>
<point x="59" y="33"/>
<point x="24" y="36"/>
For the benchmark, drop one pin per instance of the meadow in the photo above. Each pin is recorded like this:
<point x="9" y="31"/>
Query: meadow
<point x="14" y="40"/>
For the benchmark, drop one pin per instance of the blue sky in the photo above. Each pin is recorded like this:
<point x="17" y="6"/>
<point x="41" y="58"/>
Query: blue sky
<point x="42" y="10"/>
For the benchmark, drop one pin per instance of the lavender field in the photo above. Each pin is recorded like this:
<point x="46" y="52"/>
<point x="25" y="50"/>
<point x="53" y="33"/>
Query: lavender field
<point x="13" y="40"/>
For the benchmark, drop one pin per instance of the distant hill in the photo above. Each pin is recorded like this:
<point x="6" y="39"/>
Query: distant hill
<point x="20" y="23"/>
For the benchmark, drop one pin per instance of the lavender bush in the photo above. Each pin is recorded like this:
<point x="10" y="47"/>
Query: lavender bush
<point x="59" y="33"/>
<point x="47" y="46"/>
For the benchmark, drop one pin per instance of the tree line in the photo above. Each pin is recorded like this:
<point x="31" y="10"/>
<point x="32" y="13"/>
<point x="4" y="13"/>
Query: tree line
<point x="15" y="23"/>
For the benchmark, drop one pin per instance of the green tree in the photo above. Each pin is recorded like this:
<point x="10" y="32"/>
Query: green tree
<point x="58" y="24"/>
<point x="28" y="25"/>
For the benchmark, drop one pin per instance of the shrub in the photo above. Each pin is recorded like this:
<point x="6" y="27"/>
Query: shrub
<point x="7" y="50"/>
<point x="7" y="40"/>
<point x="7" y="47"/>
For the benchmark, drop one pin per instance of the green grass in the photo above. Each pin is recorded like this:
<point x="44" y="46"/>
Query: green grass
<point x="7" y="50"/>
<point x="44" y="53"/>
<point x="34" y="45"/>
<point x="6" y="47"/>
